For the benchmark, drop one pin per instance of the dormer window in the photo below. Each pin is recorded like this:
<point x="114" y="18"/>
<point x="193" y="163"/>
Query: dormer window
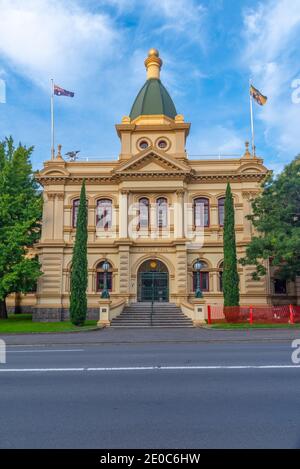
<point x="143" y="145"/>
<point x="162" y="144"/>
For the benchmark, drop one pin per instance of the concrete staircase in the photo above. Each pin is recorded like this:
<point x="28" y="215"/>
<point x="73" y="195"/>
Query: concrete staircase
<point x="164" y="315"/>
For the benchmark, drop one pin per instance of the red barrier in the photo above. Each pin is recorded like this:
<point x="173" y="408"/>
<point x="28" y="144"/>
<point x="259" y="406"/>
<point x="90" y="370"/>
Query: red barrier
<point x="291" y="314"/>
<point x="296" y="314"/>
<point x="208" y="314"/>
<point x="264" y="314"/>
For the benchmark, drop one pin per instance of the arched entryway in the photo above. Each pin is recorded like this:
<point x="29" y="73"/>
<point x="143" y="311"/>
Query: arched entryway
<point x="153" y="281"/>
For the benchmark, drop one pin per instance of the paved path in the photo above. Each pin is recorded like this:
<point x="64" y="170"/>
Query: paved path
<point x="110" y="335"/>
<point x="150" y="395"/>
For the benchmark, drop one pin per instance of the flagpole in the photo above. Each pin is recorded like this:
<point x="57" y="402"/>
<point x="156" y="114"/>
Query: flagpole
<point x="52" y="120"/>
<point x="252" y="121"/>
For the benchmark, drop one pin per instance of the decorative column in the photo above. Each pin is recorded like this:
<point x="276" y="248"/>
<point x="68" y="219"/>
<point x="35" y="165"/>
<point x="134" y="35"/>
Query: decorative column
<point x="58" y="219"/>
<point x="123" y="214"/>
<point x="214" y="216"/>
<point x="91" y="223"/>
<point x="90" y="287"/>
<point x="48" y="214"/>
<point x="179" y="215"/>
<point x="248" y="229"/>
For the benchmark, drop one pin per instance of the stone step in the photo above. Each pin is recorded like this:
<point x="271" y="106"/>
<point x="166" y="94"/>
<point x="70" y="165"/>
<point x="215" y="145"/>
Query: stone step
<point x="149" y="320"/>
<point x="149" y="327"/>
<point x="163" y="315"/>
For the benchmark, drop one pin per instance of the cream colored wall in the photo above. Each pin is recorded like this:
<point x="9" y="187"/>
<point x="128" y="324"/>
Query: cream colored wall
<point x="62" y="182"/>
<point x="126" y="258"/>
<point x="152" y="129"/>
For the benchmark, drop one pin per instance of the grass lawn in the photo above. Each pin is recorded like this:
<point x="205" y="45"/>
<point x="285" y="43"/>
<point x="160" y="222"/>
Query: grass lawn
<point x="22" y="323"/>
<point x="229" y="325"/>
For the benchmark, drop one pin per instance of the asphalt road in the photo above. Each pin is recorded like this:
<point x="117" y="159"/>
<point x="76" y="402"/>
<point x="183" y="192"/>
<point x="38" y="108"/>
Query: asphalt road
<point x="223" y="394"/>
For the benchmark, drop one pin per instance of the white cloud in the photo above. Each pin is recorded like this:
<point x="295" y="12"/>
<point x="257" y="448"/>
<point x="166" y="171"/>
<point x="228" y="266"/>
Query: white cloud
<point x="216" y="140"/>
<point x="184" y="18"/>
<point x="49" y="38"/>
<point x="272" y="36"/>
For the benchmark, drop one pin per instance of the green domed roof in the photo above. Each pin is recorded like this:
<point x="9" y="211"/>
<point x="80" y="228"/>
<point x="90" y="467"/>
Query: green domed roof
<point x="153" y="98"/>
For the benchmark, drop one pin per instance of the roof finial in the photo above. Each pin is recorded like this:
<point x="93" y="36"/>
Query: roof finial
<point x="58" y="156"/>
<point x="153" y="64"/>
<point x="247" y="153"/>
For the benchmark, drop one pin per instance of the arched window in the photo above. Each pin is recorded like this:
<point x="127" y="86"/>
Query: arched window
<point x="204" y="278"/>
<point x="201" y="212"/>
<point x="75" y="212"/>
<point x="100" y="277"/>
<point x="143" y="213"/>
<point x="104" y="214"/>
<point x="162" y="212"/>
<point x="221" y="204"/>
<point x="221" y="266"/>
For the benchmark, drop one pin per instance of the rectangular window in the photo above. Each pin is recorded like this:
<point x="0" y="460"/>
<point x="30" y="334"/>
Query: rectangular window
<point x="280" y="287"/>
<point x="201" y="212"/>
<point x="204" y="281"/>
<point x="100" y="281"/>
<point x="104" y="214"/>
<point x="221" y="211"/>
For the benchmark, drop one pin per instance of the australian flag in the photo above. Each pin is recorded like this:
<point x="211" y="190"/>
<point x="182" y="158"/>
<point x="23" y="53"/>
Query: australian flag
<point x="58" y="91"/>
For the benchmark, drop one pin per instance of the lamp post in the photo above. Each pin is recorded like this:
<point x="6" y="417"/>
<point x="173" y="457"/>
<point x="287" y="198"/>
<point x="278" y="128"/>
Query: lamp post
<point x="105" y="292"/>
<point x="198" y="267"/>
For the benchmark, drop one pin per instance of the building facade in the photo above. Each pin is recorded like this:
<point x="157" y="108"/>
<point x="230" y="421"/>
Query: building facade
<point x="153" y="210"/>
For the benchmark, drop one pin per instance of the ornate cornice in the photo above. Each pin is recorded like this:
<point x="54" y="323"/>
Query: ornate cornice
<point x="231" y="177"/>
<point x="150" y="175"/>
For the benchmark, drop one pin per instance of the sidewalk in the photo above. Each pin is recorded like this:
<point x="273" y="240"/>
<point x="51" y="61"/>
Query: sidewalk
<point x="162" y="335"/>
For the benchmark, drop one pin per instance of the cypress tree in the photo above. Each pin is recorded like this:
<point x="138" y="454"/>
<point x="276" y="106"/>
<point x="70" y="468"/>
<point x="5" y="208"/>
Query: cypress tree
<point x="78" y="299"/>
<point x="230" y="274"/>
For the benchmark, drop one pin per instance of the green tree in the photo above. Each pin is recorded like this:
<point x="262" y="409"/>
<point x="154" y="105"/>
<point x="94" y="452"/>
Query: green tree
<point x="230" y="274"/>
<point x="78" y="300"/>
<point x="20" y="221"/>
<point x="276" y="218"/>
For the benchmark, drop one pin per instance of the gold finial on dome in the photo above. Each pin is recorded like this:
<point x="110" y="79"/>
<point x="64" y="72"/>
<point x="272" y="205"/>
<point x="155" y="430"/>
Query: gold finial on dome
<point x="153" y="52"/>
<point x="153" y="64"/>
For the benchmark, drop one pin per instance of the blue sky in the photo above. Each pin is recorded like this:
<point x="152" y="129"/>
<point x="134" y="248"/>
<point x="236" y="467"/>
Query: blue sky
<point x="96" y="48"/>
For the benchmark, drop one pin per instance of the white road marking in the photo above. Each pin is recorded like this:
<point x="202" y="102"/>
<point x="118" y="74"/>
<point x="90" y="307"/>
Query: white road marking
<point x="150" y="368"/>
<point x="44" y="351"/>
<point x="42" y="370"/>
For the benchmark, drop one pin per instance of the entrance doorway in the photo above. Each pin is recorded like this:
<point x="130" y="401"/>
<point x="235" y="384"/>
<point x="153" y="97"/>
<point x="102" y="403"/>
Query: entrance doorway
<point x="153" y="282"/>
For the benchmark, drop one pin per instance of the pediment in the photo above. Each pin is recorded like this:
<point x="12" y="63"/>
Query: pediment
<point x="249" y="167"/>
<point x="54" y="171"/>
<point x="153" y="161"/>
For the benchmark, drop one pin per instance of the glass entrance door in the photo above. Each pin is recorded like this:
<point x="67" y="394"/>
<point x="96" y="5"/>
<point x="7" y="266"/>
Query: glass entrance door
<point x="154" y="286"/>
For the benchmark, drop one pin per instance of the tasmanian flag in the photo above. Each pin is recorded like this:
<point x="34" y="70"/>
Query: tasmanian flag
<point x="58" y="91"/>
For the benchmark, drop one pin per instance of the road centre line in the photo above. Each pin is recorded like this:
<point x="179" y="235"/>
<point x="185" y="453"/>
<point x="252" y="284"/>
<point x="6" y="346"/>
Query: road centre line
<point x="149" y="368"/>
<point x="44" y="351"/>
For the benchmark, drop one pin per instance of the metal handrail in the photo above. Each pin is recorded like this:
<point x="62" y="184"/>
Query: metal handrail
<point x="152" y="300"/>
<point x="151" y="316"/>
